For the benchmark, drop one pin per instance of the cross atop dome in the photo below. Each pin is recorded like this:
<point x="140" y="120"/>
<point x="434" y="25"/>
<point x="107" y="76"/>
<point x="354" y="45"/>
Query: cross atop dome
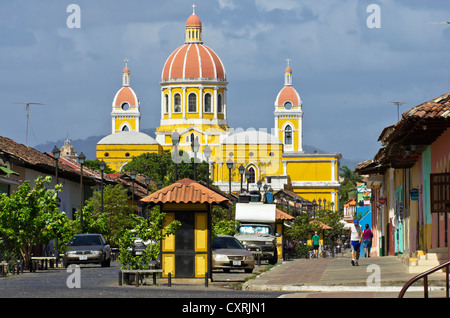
<point x="193" y="8"/>
<point x="288" y="73"/>
<point x="126" y="74"/>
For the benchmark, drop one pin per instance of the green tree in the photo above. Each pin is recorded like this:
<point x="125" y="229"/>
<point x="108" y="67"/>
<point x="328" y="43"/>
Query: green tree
<point x="31" y="216"/>
<point x="350" y="181"/>
<point x="152" y="231"/>
<point x="95" y="165"/>
<point x="161" y="167"/>
<point x="117" y="213"/>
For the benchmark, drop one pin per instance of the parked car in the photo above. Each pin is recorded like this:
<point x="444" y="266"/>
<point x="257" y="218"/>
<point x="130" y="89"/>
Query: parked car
<point x="88" y="249"/>
<point x="228" y="253"/>
<point x="138" y="248"/>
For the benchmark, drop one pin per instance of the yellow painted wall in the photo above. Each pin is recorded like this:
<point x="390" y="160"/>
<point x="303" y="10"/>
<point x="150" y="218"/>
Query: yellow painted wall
<point x="116" y="155"/>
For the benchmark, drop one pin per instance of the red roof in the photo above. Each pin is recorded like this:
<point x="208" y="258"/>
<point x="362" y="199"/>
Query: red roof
<point x="193" y="60"/>
<point x="185" y="191"/>
<point x="280" y="215"/>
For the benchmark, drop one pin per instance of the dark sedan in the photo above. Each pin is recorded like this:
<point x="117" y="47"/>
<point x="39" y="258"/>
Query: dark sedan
<point x="88" y="249"/>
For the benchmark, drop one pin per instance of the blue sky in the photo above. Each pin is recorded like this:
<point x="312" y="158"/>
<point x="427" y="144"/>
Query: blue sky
<point x="345" y="72"/>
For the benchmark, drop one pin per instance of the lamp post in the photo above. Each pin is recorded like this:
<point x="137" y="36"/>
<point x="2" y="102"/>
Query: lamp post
<point x="230" y="166"/>
<point x="102" y="166"/>
<point x="147" y="182"/>
<point x="175" y="140"/>
<point x="133" y="176"/>
<point x="207" y="152"/>
<point x="81" y="161"/>
<point x="56" y="153"/>
<point x="247" y="177"/>
<point x="195" y="146"/>
<point x="314" y="208"/>
<point x="259" y="184"/>
<point x="241" y="172"/>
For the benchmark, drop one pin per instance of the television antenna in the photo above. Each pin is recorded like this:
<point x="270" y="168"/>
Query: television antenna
<point x="398" y="108"/>
<point x="28" y="114"/>
<point x="445" y="22"/>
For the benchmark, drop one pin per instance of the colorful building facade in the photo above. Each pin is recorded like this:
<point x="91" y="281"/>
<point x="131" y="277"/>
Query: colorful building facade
<point x="194" y="105"/>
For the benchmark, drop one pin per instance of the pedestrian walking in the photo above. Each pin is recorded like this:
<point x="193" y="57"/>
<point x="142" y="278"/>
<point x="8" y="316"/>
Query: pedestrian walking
<point x="355" y="241"/>
<point x="316" y="242"/>
<point x="367" y="240"/>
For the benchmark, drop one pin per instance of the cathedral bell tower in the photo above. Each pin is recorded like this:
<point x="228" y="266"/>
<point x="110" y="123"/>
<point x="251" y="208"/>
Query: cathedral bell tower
<point x="125" y="113"/>
<point x="289" y="115"/>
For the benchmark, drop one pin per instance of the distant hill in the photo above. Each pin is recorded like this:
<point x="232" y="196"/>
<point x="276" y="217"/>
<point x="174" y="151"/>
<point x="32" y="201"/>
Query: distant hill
<point x="88" y="147"/>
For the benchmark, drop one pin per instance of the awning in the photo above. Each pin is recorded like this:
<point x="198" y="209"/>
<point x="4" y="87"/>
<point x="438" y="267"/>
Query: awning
<point x="8" y="171"/>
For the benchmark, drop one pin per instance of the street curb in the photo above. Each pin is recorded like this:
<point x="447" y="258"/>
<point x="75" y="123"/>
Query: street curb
<point x="324" y="288"/>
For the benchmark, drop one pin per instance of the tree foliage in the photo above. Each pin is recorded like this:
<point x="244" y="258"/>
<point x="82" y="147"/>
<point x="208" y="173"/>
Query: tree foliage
<point x="31" y="216"/>
<point x="162" y="167"/>
<point x="350" y="181"/>
<point x="152" y="231"/>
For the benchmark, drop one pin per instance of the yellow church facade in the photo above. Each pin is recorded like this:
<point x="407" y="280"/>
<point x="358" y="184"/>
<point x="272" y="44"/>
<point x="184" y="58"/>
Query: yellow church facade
<point x="194" y="108"/>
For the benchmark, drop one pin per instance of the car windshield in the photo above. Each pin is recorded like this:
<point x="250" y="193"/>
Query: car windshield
<point x="85" y="240"/>
<point x="254" y="229"/>
<point x="227" y="242"/>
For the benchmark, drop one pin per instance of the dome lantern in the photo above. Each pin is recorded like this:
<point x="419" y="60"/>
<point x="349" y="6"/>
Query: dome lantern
<point x="193" y="28"/>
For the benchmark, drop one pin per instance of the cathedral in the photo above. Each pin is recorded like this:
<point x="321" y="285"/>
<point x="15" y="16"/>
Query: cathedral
<point x="194" y="111"/>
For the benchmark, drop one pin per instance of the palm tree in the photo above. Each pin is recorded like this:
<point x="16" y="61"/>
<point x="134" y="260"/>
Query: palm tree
<point x="350" y="181"/>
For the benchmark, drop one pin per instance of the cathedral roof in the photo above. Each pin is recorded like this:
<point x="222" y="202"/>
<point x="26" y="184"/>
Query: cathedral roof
<point x="126" y="95"/>
<point x="288" y="94"/>
<point x="251" y="137"/>
<point x="128" y="138"/>
<point x="192" y="61"/>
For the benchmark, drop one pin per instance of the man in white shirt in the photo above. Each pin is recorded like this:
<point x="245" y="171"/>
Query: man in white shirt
<point x="355" y="240"/>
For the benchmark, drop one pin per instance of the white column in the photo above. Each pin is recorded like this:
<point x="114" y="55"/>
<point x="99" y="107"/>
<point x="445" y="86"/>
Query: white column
<point x="216" y="101"/>
<point x="184" y="103"/>
<point x="200" y="102"/>
<point x="170" y="102"/>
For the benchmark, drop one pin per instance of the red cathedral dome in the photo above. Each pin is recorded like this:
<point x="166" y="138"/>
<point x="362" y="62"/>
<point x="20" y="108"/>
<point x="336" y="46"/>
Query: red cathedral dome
<point x="193" y="60"/>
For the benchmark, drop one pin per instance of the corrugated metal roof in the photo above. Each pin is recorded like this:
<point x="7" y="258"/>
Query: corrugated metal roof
<point x="185" y="191"/>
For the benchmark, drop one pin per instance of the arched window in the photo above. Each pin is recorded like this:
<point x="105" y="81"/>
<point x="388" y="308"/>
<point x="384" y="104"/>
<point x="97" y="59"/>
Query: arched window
<point x="125" y="128"/>
<point x="252" y="174"/>
<point x="208" y="103"/>
<point x="219" y="104"/>
<point x="166" y="103"/>
<point x="192" y="103"/>
<point x="177" y="103"/>
<point x="288" y="135"/>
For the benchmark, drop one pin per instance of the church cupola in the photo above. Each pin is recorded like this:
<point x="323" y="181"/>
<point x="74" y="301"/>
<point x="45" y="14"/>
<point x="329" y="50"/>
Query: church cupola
<point x="125" y="107"/>
<point x="289" y="115"/>
<point x="288" y="74"/>
<point x="193" y="28"/>
<point x="126" y="74"/>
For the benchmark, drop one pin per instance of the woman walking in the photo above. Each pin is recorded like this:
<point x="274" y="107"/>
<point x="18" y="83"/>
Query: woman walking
<point x="367" y="240"/>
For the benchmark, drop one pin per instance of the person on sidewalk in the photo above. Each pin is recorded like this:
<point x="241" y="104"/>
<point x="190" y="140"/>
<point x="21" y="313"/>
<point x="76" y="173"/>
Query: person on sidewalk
<point x="355" y="241"/>
<point x="315" y="243"/>
<point x="367" y="240"/>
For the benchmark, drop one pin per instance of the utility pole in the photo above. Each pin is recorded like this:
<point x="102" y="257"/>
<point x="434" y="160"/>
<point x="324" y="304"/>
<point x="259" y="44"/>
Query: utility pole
<point x="28" y="115"/>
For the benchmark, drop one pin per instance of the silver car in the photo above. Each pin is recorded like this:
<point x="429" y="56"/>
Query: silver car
<point x="228" y="253"/>
<point x="88" y="249"/>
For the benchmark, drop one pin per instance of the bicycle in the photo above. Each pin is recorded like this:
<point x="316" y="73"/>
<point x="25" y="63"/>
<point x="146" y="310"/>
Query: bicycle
<point x="321" y="253"/>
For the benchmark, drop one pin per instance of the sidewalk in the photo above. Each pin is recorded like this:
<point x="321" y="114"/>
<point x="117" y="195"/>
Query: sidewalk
<point x="335" y="277"/>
